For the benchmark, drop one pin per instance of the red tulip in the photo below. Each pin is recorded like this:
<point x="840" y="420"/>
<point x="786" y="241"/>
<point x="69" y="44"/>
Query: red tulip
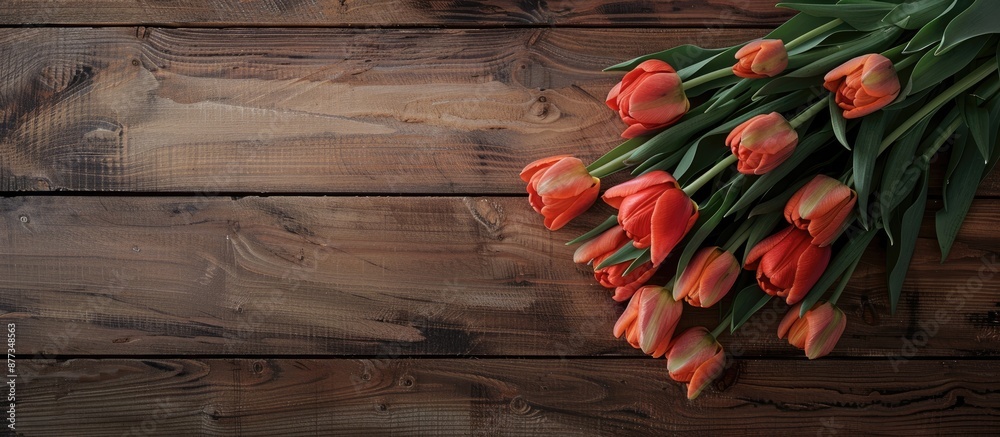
<point x="649" y="98"/>
<point x="707" y="278"/>
<point x="654" y="211"/>
<point x="696" y="358"/>
<point x="560" y="188"/>
<point x="787" y="264"/>
<point x="762" y="143"/>
<point x="649" y="320"/>
<point x="603" y="246"/>
<point x="816" y="332"/>
<point x="760" y="59"/>
<point x="821" y="207"/>
<point x="863" y="85"/>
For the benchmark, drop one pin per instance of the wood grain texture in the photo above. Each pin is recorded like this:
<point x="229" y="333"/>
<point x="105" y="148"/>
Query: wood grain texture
<point x="484" y="13"/>
<point x="399" y="277"/>
<point x="505" y="397"/>
<point x="319" y="110"/>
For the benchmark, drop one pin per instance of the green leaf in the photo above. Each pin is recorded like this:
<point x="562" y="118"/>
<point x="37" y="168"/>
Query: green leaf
<point x="677" y="136"/>
<point x="811" y="144"/>
<point x="977" y="119"/>
<point x="932" y="68"/>
<point x="957" y="150"/>
<point x="778" y="202"/>
<point x="696" y="159"/>
<point x="731" y="92"/>
<point x="644" y="257"/>
<point x="932" y="32"/>
<point x="839" y="123"/>
<point x="628" y="252"/>
<point x="862" y="16"/>
<point x="784" y="84"/>
<point x="854" y="248"/>
<point x="678" y="57"/>
<point x="872" y="42"/>
<point x="761" y="229"/>
<point x="901" y="173"/>
<point x="865" y="154"/>
<point x="616" y="153"/>
<point x="608" y="223"/>
<point x="961" y="189"/>
<point x="916" y="14"/>
<point x="978" y="19"/>
<point x="708" y="218"/>
<point x="898" y="256"/>
<point x="748" y="301"/>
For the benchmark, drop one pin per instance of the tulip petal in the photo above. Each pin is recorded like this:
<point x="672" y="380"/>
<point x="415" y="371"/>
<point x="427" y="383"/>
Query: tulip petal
<point x="845" y="69"/>
<point x="826" y="325"/>
<point x="688" y="351"/>
<point x="608" y="242"/>
<point x="671" y="220"/>
<point x="706" y="373"/>
<point x="764" y="247"/>
<point x="627" y="318"/>
<point x="539" y="165"/>
<point x="658" y="316"/>
<point x="614" y="195"/>
<point x="811" y="265"/>
<point x="658" y="100"/>
<point x="790" y="318"/>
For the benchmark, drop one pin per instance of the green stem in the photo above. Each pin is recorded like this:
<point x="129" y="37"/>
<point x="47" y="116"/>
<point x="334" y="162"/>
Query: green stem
<point x="722" y="326"/>
<point x="609" y="168"/>
<point x="707" y="77"/>
<point x="812" y="34"/>
<point x="967" y="82"/>
<point x="709" y="175"/>
<point x="810" y="112"/>
<point x="843" y="281"/>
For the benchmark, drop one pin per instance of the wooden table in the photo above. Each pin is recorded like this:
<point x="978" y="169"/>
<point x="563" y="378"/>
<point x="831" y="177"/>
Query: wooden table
<point x="250" y="217"/>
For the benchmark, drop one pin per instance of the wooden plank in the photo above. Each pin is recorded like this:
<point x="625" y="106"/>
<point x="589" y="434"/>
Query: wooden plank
<point x="397" y="277"/>
<point x="268" y="110"/>
<point x="501" y="397"/>
<point x="486" y="13"/>
<point x="307" y="110"/>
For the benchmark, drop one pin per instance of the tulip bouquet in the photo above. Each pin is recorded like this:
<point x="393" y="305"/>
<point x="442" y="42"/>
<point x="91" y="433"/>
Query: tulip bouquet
<point x="769" y="168"/>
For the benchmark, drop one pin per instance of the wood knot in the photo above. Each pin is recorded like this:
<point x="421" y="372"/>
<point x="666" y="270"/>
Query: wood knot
<point x="541" y="111"/>
<point x="519" y="406"/>
<point x="489" y="214"/>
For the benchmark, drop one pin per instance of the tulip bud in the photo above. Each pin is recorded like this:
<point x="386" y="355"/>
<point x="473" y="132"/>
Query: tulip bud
<point x="762" y="143"/>
<point x="560" y="188"/>
<point x="787" y="264"/>
<point x="654" y="211"/>
<point x="696" y="358"/>
<point x="816" y="332"/>
<point x="821" y="207"/>
<point x="707" y="278"/>
<point x="603" y="246"/>
<point x="649" y="98"/>
<point x="760" y="59"/>
<point x="649" y="320"/>
<point x="863" y="85"/>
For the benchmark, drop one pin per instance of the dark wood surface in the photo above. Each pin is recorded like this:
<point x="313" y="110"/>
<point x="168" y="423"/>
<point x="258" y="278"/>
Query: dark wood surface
<point x="303" y="217"/>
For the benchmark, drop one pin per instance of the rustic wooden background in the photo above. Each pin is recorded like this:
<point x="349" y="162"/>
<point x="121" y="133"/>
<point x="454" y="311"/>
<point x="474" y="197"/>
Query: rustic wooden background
<point x="252" y="217"/>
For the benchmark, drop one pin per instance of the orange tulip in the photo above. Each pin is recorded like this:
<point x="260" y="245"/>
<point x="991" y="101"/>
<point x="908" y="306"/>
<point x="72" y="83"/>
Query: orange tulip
<point x="762" y="143"/>
<point x="787" y="264"/>
<point x="654" y="211"/>
<point x="816" y="332"/>
<point x="649" y="320"/>
<point x="560" y="188"/>
<point x="599" y="249"/>
<point x="760" y="59"/>
<point x="863" y="85"/>
<point x="821" y="207"/>
<point x="625" y="285"/>
<point x="649" y="98"/>
<point x="708" y="277"/>
<point x="696" y="358"/>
